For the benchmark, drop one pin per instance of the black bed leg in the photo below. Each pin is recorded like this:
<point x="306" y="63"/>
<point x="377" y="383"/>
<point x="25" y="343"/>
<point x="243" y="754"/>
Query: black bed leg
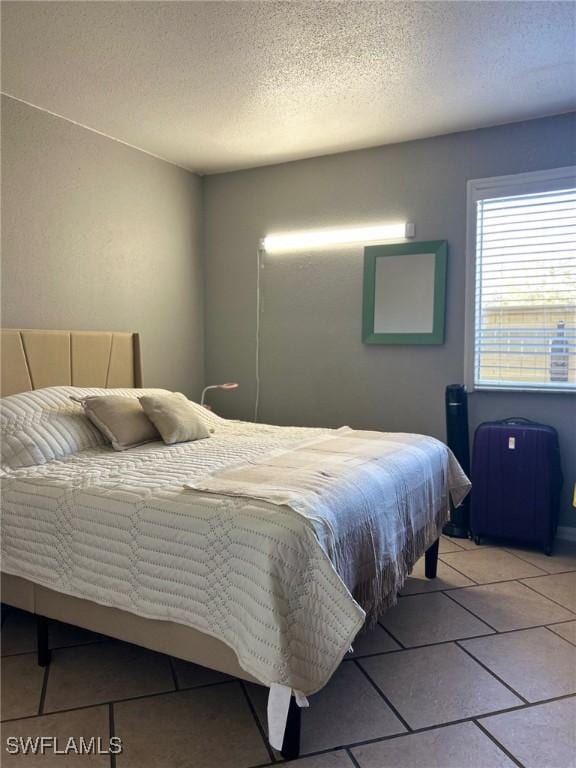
<point x="42" y="635"/>
<point x="431" y="560"/>
<point x="291" y="743"/>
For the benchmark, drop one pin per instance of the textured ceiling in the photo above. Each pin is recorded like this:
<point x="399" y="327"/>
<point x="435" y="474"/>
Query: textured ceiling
<point x="216" y="86"/>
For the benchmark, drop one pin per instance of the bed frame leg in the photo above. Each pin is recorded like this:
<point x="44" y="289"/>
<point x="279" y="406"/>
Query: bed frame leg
<point x="431" y="560"/>
<point x="291" y="744"/>
<point x="42" y="636"/>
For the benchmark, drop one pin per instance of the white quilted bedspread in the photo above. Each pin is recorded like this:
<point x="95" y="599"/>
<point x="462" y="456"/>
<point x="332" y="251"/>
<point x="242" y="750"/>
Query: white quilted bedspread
<point x="120" y="529"/>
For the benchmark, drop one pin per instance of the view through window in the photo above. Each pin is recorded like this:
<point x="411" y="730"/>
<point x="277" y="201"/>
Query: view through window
<point x="525" y="291"/>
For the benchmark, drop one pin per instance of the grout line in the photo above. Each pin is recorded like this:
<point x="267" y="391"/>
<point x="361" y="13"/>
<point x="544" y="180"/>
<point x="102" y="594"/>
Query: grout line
<point x="469" y="611"/>
<point x="112" y="729"/>
<point x="500" y="680"/>
<point x="451" y="540"/>
<point x="523" y="581"/>
<point x="387" y="631"/>
<point x="519" y="579"/>
<point x="460" y="572"/>
<point x="263" y="765"/>
<point x="394" y="651"/>
<point x="541" y="567"/>
<point x="257" y="720"/>
<point x="500" y="746"/>
<point x="515" y="554"/>
<point x="383" y="696"/>
<point x="402" y="646"/>
<point x="206" y="685"/>
<point x="372" y="655"/>
<point x="44" y="687"/>
<point x="549" y="628"/>
<point x="547" y="573"/>
<point x="353" y="760"/>
<point x="452" y="551"/>
<point x="435" y="591"/>
<point x="485" y="635"/>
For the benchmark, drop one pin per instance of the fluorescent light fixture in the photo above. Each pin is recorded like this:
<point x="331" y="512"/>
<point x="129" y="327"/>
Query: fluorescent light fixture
<point x="320" y="238"/>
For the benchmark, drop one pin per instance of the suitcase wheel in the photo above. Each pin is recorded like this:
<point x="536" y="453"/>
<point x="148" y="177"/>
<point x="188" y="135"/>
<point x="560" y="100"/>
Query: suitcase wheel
<point x="477" y="540"/>
<point x="548" y="549"/>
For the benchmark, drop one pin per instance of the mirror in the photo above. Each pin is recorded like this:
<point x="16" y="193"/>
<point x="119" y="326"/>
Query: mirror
<point x="404" y="293"/>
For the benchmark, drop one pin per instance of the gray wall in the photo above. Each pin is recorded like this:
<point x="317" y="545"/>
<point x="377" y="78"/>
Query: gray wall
<point x="314" y="368"/>
<point x="97" y="235"/>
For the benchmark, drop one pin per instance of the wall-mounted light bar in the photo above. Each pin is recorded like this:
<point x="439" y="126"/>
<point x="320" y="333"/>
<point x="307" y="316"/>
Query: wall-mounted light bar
<point x="320" y="238"/>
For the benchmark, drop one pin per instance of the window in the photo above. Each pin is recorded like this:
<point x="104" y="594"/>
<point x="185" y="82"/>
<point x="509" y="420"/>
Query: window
<point x="521" y="282"/>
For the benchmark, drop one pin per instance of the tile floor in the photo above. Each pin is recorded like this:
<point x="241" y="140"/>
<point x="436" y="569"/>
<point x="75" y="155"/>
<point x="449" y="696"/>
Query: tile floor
<point x="476" y="668"/>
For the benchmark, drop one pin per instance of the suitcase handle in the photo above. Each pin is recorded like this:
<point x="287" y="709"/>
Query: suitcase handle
<point x="517" y="420"/>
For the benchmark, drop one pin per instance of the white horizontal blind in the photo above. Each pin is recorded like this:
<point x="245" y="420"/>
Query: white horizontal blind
<point x="525" y="291"/>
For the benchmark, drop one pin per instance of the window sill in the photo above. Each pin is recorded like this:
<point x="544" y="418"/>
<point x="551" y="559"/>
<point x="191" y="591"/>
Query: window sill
<point x="538" y="390"/>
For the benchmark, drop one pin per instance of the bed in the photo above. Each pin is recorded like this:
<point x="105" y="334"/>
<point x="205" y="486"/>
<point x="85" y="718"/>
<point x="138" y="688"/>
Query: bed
<point x="259" y="552"/>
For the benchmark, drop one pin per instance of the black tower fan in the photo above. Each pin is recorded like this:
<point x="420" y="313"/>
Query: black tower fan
<point x="458" y="442"/>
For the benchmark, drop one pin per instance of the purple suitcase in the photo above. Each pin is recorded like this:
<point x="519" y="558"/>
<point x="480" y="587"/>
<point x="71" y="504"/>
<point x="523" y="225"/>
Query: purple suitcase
<point x="516" y="481"/>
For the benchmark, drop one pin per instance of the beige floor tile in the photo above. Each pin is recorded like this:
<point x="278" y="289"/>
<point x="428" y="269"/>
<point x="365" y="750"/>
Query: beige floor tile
<point x="87" y="723"/>
<point x="566" y="630"/>
<point x="563" y="559"/>
<point x="447" y="578"/>
<point x="448" y="545"/>
<point x="454" y="746"/>
<point x="486" y="565"/>
<point x="93" y="674"/>
<point x="203" y="728"/>
<point x="337" y="759"/>
<point x="561" y="588"/>
<point x="510" y="605"/>
<point x="19" y="634"/>
<point x="22" y="681"/>
<point x="543" y="736"/>
<point x="428" y="619"/>
<point x="438" y="684"/>
<point x="346" y="710"/>
<point x="192" y="675"/>
<point x="535" y="662"/>
<point x="374" y="640"/>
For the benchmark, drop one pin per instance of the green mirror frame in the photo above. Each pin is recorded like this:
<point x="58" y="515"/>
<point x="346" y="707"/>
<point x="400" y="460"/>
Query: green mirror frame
<point x="373" y="252"/>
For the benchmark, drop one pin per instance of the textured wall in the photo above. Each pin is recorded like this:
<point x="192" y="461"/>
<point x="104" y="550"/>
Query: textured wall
<point x="314" y="368"/>
<point x="100" y="236"/>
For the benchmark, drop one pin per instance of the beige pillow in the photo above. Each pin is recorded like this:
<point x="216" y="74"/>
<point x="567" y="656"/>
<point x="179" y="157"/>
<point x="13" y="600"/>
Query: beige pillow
<point x="175" y="417"/>
<point x="121" y="420"/>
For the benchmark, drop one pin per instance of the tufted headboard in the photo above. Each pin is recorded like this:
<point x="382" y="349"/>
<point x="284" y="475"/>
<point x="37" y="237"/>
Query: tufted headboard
<point x="35" y="359"/>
